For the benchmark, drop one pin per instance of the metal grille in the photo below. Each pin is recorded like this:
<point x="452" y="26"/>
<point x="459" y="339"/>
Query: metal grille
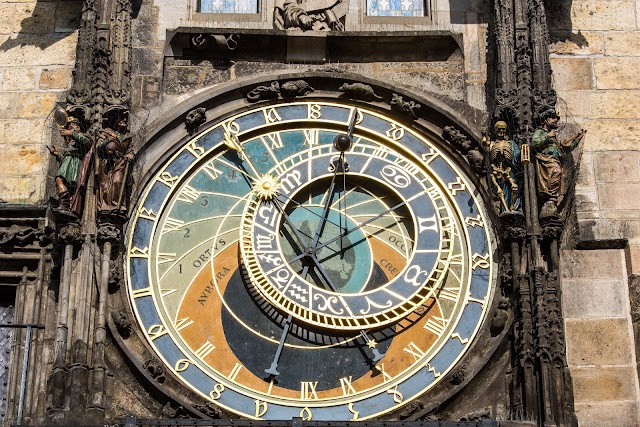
<point x="6" y="316"/>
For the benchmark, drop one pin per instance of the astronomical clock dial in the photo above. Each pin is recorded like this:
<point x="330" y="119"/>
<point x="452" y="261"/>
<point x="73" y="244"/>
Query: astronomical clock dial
<point x="311" y="260"/>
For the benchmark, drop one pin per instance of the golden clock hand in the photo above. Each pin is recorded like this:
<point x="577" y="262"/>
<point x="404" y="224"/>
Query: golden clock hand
<point x="233" y="143"/>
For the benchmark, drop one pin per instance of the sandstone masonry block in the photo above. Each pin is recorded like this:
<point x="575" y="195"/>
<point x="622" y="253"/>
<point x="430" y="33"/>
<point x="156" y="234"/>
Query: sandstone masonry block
<point x="603" y="15"/>
<point x="572" y="73"/>
<point x="19" y="79"/>
<point x="21" y="131"/>
<point x="586" y="177"/>
<point x="8" y="102"/>
<point x="607" y="414"/>
<point x="621" y="43"/>
<point x="612" y="134"/>
<point x="36" y="105"/>
<point x="617" y="73"/>
<point x="36" y="17"/>
<point x="605" y="383"/>
<point x="598" y="342"/>
<point x="55" y="78"/>
<point x="621" y="166"/>
<point x="34" y="49"/>
<point x="68" y="14"/>
<point x="597" y="264"/>
<point x="20" y="189"/>
<point x="593" y="229"/>
<point x="24" y="159"/>
<point x="582" y="43"/>
<point x="616" y="104"/>
<point x="586" y="200"/>
<point x="594" y="298"/>
<point x="619" y="196"/>
<point x="633" y="257"/>
<point x="574" y="103"/>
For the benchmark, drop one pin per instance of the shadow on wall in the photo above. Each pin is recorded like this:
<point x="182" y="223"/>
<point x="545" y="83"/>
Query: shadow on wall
<point x="48" y="23"/>
<point x="560" y="24"/>
<point x="468" y="11"/>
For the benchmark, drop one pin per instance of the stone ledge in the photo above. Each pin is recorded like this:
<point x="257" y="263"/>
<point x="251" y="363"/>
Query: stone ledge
<point x="598" y="342"/>
<point x="607" y="414"/>
<point x="596" y="264"/>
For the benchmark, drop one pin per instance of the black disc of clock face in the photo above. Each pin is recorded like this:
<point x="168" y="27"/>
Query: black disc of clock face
<point x="279" y="275"/>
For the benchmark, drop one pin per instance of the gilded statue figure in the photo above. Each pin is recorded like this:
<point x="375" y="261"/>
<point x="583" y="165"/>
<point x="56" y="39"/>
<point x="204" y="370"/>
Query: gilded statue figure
<point x="549" y="153"/>
<point x="115" y="154"/>
<point x="75" y="163"/>
<point x="317" y="15"/>
<point x="505" y="170"/>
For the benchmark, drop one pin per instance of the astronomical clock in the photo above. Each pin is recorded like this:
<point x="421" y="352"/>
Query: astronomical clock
<point x="310" y="258"/>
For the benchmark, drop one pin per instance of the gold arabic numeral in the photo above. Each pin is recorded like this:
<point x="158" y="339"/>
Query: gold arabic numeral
<point x="216" y="392"/>
<point x="385" y="376"/>
<point x="396" y="132"/>
<point x="182" y="323"/>
<point x="261" y="408"/>
<point x="182" y="365"/>
<point x="435" y="325"/>
<point x="273" y="140"/>
<point x="167" y="179"/>
<point x="136" y="252"/>
<point x="271" y="115"/>
<point x="144" y="292"/>
<point x="231" y="127"/>
<point x="415" y="351"/>
<point x="189" y="194"/>
<point x="156" y="331"/>
<point x="205" y="350"/>
<point x="147" y="214"/>
<point x="165" y="257"/>
<point x="314" y="112"/>
<point x="172" y="224"/>
<point x="235" y="371"/>
<point x="308" y="390"/>
<point x="306" y="414"/>
<point x="310" y="137"/>
<point x="450" y="294"/>
<point x="353" y="411"/>
<point x="195" y="149"/>
<point x="397" y="396"/>
<point x="211" y="170"/>
<point x="347" y="387"/>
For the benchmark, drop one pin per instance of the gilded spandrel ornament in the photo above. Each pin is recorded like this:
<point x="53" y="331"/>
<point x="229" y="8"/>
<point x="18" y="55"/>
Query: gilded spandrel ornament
<point x="115" y="154"/>
<point x="305" y="15"/>
<point x="75" y="163"/>
<point x="506" y="169"/>
<point x="549" y="154"/>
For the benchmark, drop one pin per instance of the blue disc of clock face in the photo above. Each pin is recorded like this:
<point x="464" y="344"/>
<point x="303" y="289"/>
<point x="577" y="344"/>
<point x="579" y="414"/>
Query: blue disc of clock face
<point x="278" y="277"/>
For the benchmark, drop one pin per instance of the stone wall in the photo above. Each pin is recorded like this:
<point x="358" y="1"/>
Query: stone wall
<point x="595" y="59"/>
<point x="37" y="53"/>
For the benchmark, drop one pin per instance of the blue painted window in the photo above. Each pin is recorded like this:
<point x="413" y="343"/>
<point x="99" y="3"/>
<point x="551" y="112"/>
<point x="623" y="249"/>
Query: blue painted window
<point x="228" y="6"/>
<point x="396" y="8"/>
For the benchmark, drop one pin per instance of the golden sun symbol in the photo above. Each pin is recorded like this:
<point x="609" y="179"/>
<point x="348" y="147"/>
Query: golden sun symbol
<point x="266" y="187"/>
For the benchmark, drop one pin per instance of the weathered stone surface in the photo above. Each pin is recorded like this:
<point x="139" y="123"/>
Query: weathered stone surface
<point x="583" y="43"/>
<point x="603" y="15"/>
<point x="616" y="104"/>
<point x="586" y="177"/>
<point x="617" y="167"/>
<point x="593" y="298"/>
<point x="55" y="78"/>
<point x="25" y="131"/>
<point x="34" y="49"/>
<point x="572" y="73"/>
<point x="574" y="103"/>
<point x="592" y="229"/>
<point x="39" y="104"/>
<point x="8" y="102"/>
<point x="633" y="266"/>
<point x="597" y="264"/>
<point x="586" y="200"/>
<point x="35" y="17"/>
<point x="617" y="73"/>
<point x="19" y="79"/>
<point x="68" y="14"/>
<point x="18" y="189"/>
<point x="619" y="196"/>
<point x="598" y="342"/>
<point x="607" y="414"/>
<point x="147" y="61"/>
<point x="621" y="43"/>
<point x="23" y="159"/>
<point x="612" y="134"/>
<point x="604" y="383"/>
<point x="184" y="79"/>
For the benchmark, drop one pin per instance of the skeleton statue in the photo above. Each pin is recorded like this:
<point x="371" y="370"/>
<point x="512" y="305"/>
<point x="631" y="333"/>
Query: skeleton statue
<point x="505" y="168"/>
